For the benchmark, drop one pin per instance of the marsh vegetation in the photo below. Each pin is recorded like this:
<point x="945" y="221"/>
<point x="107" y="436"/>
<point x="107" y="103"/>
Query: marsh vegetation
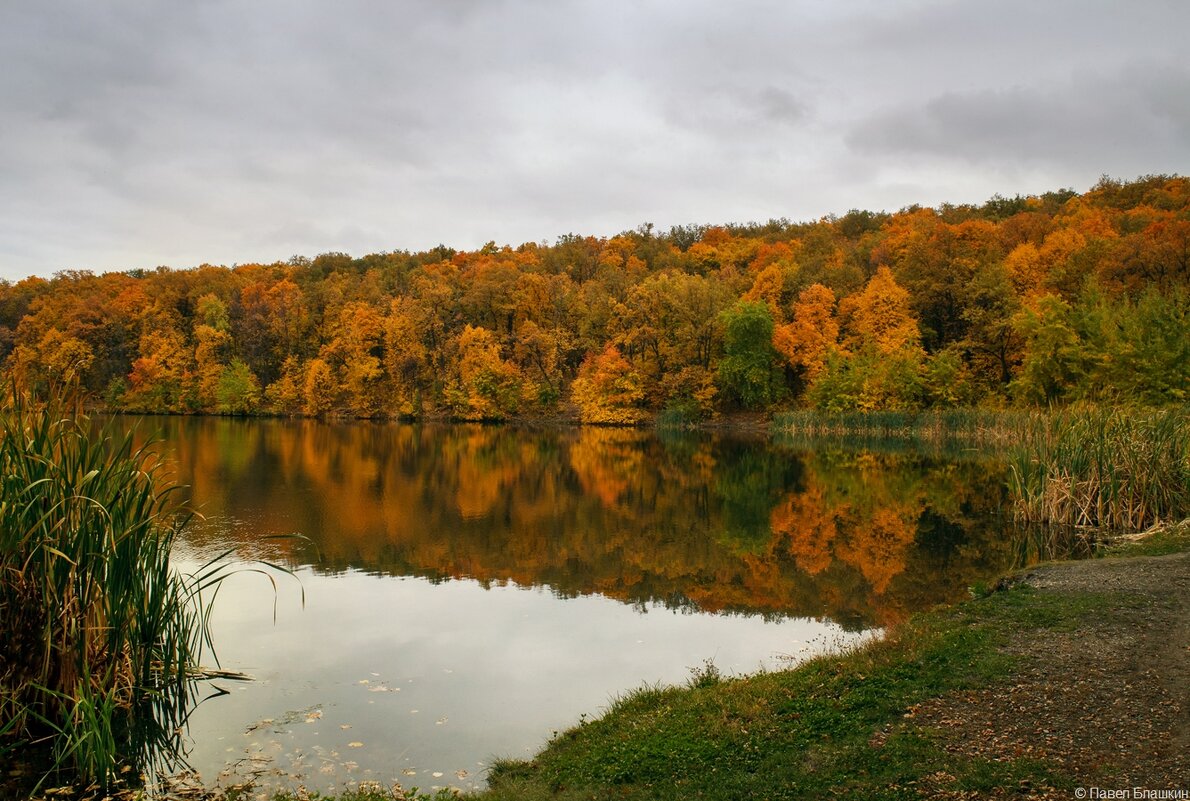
<point x="100" y="634"/>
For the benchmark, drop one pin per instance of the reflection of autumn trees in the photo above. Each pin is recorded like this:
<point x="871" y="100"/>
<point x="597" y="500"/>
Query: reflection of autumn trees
<point x="694" y="521"/>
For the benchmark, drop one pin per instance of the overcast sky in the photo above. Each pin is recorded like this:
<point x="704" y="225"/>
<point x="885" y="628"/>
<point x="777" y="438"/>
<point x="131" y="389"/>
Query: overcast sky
<point x="136" y="133"/>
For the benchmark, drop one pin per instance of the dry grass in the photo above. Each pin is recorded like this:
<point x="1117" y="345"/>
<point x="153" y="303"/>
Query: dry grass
<point x="1124" y="470"/>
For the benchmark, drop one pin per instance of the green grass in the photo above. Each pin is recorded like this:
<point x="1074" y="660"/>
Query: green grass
<point x="833" y="727"/>
<point x="98" y="630"/>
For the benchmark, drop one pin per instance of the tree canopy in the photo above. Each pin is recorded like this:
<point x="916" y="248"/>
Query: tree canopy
<point x="1029" y="300"/>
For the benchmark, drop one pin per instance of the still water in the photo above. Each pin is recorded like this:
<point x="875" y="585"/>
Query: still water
<point x="470" y="590"/>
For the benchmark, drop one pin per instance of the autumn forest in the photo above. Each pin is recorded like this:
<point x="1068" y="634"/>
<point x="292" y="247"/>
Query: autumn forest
<point x="1021" y="301"/>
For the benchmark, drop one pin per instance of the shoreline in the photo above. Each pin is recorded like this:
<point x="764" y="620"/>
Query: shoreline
<point x="985" y="698"/>
<point x="921" y="700"/>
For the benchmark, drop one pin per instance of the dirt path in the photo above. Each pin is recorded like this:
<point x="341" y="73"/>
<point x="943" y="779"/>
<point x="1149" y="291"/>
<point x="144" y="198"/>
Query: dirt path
<point x="1106" y="703"/>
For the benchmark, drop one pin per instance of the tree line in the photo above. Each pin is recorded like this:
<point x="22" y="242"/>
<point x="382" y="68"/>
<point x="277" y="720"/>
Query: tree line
<point x="1036" y="300"/>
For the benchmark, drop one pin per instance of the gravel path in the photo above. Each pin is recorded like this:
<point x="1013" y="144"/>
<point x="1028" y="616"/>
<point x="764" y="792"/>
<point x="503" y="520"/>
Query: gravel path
<point x="1107" y="703"/>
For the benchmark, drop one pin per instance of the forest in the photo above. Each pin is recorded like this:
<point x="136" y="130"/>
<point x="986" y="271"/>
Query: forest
<point x="1024" y="301"/>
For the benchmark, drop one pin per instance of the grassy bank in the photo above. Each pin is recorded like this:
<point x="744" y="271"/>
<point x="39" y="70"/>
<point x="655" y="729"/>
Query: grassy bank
<point x="834" y="726"/>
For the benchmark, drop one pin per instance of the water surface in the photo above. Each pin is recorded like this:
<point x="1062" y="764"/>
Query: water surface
<point x="469" y="590"/>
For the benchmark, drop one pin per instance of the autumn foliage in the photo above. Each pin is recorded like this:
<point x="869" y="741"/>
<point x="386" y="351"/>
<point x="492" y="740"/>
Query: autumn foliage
<point x="1025" y="300"/>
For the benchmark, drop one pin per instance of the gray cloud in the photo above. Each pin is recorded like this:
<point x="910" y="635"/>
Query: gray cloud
<point x="136" y="134"/>
<point x="1126" y="121"/>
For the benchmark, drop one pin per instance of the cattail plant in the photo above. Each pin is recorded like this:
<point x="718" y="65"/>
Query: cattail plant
<point x="100" y="635"/>
<point x="1099" y="467"/>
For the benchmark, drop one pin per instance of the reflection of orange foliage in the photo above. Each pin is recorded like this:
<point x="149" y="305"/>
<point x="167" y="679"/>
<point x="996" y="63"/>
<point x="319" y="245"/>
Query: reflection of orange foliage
<point x="605" y="461"/>
<point x="482" y="479"/>
<point x="804" y="518"/>
<point x="878" y="547"/>
<point x="613" y="511"/>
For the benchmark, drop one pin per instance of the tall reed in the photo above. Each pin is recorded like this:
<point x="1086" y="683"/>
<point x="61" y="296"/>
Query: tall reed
<point x="960" y="427"/>
<point x="1102" y="467"/>
<point x="98" y="631"/>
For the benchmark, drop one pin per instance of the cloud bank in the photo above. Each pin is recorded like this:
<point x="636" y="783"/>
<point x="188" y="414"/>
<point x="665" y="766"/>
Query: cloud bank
<point x="136" y="134"/>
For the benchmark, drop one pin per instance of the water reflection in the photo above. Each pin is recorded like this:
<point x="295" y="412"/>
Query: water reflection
<point x="697" y="521"/>
<point x="471" y="589"/>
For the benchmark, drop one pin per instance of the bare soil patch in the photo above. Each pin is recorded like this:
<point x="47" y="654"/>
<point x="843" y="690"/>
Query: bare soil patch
<point x="1106" y="703"/>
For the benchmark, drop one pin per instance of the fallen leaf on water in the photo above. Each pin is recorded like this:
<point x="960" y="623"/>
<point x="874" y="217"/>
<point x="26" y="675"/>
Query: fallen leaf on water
<point x="356" y="744"/>
<point x="462" y="773"/>
<point x="408" y="772"/>
<point x="437" y="774"/>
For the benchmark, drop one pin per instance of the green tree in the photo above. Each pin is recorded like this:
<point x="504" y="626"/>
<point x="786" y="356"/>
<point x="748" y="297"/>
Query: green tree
<point x="746" y="371"/>
<point x="1054" y="360"/>
<point x="1138" y="351"/>
<point x="870" y="380"/>
<point x="238" y="391"/>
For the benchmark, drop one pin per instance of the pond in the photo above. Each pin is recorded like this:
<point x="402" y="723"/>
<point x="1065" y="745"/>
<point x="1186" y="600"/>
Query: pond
<point x="470" y="590"/>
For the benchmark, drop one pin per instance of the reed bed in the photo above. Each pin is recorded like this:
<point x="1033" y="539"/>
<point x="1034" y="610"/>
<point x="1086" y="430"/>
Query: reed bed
<point x="962" y="427"/>
<point x="99" y="632"/>
<point x="1095" y="467"/>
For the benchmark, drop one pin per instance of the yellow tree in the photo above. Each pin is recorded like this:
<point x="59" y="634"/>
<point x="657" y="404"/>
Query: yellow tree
<point x="211" y="353"/>
<point x="608" y="389"/>
<point x="321" y="389"/>
<point x="57" y="361"/>
<point x="880" y="316"/>
<point x="1026" y="271"/>
<point x="813" y="334"/>
<point x="482" y="385"/>
<point x="406" y="360"/>
<point x="162" y="377"/>
<point x="768" y="286"/>
<point x="541" y="351"/>
<point x="286" y="395"/>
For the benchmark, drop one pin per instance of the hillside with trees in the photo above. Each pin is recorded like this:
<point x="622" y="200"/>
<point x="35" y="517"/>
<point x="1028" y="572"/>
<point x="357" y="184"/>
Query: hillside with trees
<point x="1020" y="301"/>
